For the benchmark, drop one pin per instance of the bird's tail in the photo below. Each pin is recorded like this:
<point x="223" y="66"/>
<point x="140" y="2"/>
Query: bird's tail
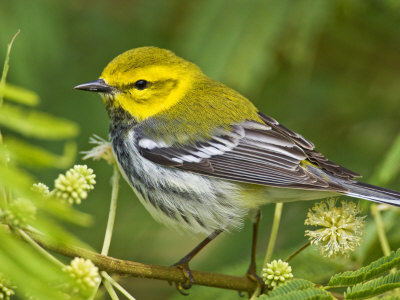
<point x="371" y="192"/>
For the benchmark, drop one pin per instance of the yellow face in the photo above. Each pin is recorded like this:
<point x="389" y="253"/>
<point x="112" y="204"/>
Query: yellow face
<point x="146" y="81"/>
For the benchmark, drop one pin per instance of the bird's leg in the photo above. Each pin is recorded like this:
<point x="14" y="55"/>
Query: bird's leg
<point x="252" y="270"/>
<point x="183" y="264"/>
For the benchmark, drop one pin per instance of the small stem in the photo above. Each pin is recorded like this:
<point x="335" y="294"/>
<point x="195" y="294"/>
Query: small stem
<point x="110" y="290"/>
<point x="256" y="293"/>
<point x="110" y="222"/>
<point x="113" y="210"/>
<point x="380" y="229"/>
<point x="298" y="251"/>
<point x="3" y="198"/>
<point x="274" y="232"/>
<point x="5" y="68"/>
<point x="35" y="245"/>
<point x="337" y="296"/>
<point x="116" y="285"/>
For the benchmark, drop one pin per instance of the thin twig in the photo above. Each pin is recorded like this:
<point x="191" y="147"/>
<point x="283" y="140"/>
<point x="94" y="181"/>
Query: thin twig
<point x="110" y="290"/>
<point x="112" y="213"/>
<point x="117" y="285"/>
<point x="5" y="68"/>
<point x="135" y="269"/>
<point x="298" y="251"/>
<point x="256" y="293"/>
<point x="380" y="227"/>
<point x="274" y="232"/>
<point x="39" y="248"/>
<point x="110" y="226"/>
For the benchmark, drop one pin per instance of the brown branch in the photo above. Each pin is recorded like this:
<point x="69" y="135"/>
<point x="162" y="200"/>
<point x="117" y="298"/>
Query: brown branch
<point x="135" y="269"/>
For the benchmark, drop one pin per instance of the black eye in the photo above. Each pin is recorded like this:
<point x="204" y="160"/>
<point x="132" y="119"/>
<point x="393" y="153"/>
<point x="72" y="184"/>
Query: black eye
<point x="141" y="84"/>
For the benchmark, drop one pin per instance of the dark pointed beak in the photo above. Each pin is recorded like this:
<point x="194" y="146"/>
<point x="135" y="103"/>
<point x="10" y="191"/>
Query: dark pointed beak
<point x="99" y="86"/>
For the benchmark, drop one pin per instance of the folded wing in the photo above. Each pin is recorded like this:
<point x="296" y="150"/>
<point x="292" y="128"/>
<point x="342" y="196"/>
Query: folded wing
<point x="252" y="152"/>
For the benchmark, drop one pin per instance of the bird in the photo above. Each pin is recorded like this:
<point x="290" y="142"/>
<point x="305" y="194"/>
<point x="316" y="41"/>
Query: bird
<point x="200" y="156"/>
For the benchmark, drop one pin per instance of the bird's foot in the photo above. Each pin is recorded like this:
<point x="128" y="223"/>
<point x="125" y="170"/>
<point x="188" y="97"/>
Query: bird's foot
<point x="181" y="287"/>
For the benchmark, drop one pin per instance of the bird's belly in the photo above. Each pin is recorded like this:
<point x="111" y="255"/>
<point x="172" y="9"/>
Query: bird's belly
<point x="180" y="198"/>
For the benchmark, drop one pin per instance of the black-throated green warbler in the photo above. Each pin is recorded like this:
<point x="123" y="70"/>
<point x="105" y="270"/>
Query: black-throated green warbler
<point x="199" y="155"/>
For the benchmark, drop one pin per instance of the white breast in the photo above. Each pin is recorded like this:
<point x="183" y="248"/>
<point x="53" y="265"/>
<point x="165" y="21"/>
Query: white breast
<point x="180" y="198"/>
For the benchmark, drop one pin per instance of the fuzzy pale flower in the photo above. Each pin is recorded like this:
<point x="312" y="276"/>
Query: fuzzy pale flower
<point x="276" y="272"/>
<point x="84" y="272"/>
<point x="75" y="184"/>
<point x="87" y="174"/>
<point x="103" y="150"/>
<point x="6" y="290"/>
<point x="341" y="227"/>
<point x="41" y="188"/>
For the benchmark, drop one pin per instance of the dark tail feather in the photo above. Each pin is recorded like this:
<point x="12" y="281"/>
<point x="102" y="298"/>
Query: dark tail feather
<point x="373" y="193"/>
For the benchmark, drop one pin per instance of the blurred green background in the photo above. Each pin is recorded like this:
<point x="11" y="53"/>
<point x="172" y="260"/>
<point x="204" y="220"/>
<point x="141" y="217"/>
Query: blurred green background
<point x="330" y="70"/>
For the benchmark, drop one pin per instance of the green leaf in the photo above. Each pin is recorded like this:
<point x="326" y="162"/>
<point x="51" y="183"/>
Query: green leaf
<point x="297" y="289"/>
<point x="374" y="287"/>
<point x="29" y="271"/>
<point x="374" y="269"/>
<point x="305" y="294"/>
<point x="290" y="286"/>
<point x="36" y="124"/>
<point x="19" y="94"/>
<point x="34" y="156"/>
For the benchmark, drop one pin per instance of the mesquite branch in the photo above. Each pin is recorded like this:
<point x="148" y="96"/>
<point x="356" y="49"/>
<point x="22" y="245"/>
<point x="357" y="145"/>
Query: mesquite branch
<point x="135" y="269"/>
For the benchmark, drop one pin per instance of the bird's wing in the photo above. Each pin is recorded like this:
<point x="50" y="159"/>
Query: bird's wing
<point x="252" y="152"/>
<point x="312" y="155"/>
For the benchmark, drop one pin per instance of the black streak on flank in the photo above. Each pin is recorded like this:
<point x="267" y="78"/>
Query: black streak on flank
<point x="166" y="210"/>
<point x="199" y="221"/>
<point x="183" y="216"/>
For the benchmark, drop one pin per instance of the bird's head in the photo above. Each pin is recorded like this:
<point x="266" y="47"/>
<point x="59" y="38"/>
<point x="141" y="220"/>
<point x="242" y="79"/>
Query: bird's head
<point x="144" y="81"/>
